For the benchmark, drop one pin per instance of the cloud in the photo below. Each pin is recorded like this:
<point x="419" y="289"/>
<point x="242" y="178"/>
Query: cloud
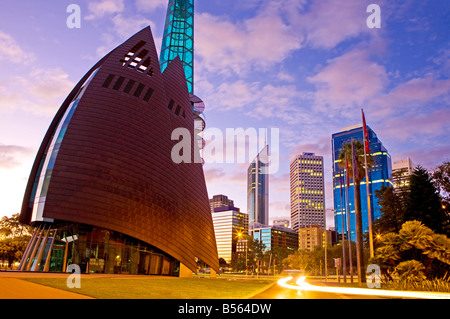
<point x="428" y="157"/>
<point x="213" y="174"/>
<point x="102" y="8"/>
<point x="10" y="155"/>
<point x="150" y="5"/>
<point x="258" y="100"/>
<point x="321" y="147"/>
<point x="41" y="92"/>
<point x="412" y="124"/>
<point x="349" y="80"/>
<point x="125" y="27"/>
<point x="122" y="27"/>
<point x="328" y="23"/>
<point x="11" y="51"/>
<point x="225" y="47"/>
<point x="413" y="93"/>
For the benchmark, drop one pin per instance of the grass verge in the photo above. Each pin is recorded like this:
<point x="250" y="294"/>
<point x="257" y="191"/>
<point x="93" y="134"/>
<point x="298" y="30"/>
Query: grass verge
<point x="159" y="288"/>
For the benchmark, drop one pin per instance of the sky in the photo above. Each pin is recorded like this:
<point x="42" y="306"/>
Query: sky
<point x="303" y="67"/>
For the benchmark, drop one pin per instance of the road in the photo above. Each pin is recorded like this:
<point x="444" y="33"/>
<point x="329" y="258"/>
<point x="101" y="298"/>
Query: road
<point x="279" y="292"/>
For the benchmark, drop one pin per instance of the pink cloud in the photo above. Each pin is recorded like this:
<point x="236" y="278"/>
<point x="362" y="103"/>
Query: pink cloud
<point x="406" y="126"/>
<point x="349" y="80"/>
<point x="320" y="147"/>
<point x="11" y="155"/>
<point x="417" y="91"/>
<point x="328" y="23"/>
<point x="428" y="158"/>
<point x="223" y="46"/>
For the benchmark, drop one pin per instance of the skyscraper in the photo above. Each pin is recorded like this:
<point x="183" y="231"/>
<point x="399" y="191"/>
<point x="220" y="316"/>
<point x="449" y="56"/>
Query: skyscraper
<point x="220" y="201"/>
<point x="401" y="170"/>
<point x="258" y="189"/>
<point x="230" y="225"/>
<point x="379" y="175"/>
<point x="307" y="191"/>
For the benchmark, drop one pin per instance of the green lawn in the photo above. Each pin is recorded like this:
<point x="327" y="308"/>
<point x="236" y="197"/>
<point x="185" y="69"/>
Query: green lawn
<point x="160" y="288"/>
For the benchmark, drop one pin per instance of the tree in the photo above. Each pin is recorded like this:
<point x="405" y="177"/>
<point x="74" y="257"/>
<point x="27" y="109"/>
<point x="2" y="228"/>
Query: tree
<point x="11" y="227"/>
<point x="417" y="242"/>
<point x="410" y="270"/>
<point x="278" y="255"/>
<point x="441" y="177"/>
<point x="254" y="255"/>
<point x="392" y="209"/>
<point x="357" y="173"/>
<point x="14" y="238"/>
<point x="424" y="203"/>
<point x="300" y="260"/>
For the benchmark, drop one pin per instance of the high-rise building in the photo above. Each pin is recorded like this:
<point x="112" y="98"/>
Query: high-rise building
<point x="307" y="191"/>
<point x="313" y="236"/>
<point x="220" y="201"/>
<point x="258" y="189"/>
<point x="277" y="236"/>
<point x="104" y="192"/>
<point x="230" y="225"/>
<point x="281" y="222"/>
<point x="401" y="170"/>
<point x="379" y="175"/>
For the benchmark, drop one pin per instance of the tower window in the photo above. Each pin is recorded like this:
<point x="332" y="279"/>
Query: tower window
<point x="139" y="89"/>
<point x="148" y="94"/>
<point x="129" y="86"/>
<point x="108" y="81"/>
<point x="177" y="110"/>
<point x="118" y="83"/>
<point x="171" y="103"/>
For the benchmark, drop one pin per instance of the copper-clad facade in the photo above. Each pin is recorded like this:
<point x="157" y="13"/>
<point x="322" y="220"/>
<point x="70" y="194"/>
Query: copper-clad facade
<point x="112" y="166"/>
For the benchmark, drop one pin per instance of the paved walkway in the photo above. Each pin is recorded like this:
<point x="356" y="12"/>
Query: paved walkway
<point x="12" y="287"/>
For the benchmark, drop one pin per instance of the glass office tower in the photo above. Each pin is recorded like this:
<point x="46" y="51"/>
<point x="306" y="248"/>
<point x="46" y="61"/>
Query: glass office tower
<point x="379" y="175"/>
<point x="258" y="190"/>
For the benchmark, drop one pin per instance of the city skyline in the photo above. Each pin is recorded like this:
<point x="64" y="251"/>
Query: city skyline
<point x="308" y="74"/>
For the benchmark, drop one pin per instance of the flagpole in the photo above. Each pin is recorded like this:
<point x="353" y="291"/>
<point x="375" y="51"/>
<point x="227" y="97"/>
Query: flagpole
<point x="358" y="222"/>
<point x="369" y="208"/>
<point x="344" y="267"/>
<point x="349" y="236"/>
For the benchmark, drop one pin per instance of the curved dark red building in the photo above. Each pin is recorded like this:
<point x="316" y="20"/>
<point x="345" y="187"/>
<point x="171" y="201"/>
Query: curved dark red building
<point x="104" y="192"/>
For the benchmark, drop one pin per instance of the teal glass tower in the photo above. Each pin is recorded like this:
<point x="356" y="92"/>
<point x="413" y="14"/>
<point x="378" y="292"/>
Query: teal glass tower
<point x="178" y="41"/>
<point x="178" y="38"/>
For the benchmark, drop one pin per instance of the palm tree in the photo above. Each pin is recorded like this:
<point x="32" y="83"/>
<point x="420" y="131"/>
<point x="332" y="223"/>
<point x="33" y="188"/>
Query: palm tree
<point x="357" y="175"/>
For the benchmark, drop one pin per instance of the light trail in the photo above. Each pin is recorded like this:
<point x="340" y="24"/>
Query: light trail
<point x="302" y="285"/>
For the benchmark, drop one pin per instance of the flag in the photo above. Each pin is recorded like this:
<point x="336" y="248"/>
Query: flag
<point x="348" y="177"/>
<point x="354" y="163"/>
<point x="366" y="133"/>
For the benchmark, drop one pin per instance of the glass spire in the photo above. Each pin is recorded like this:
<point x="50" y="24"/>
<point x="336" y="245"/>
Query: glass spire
<point x="178" y="38"/>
